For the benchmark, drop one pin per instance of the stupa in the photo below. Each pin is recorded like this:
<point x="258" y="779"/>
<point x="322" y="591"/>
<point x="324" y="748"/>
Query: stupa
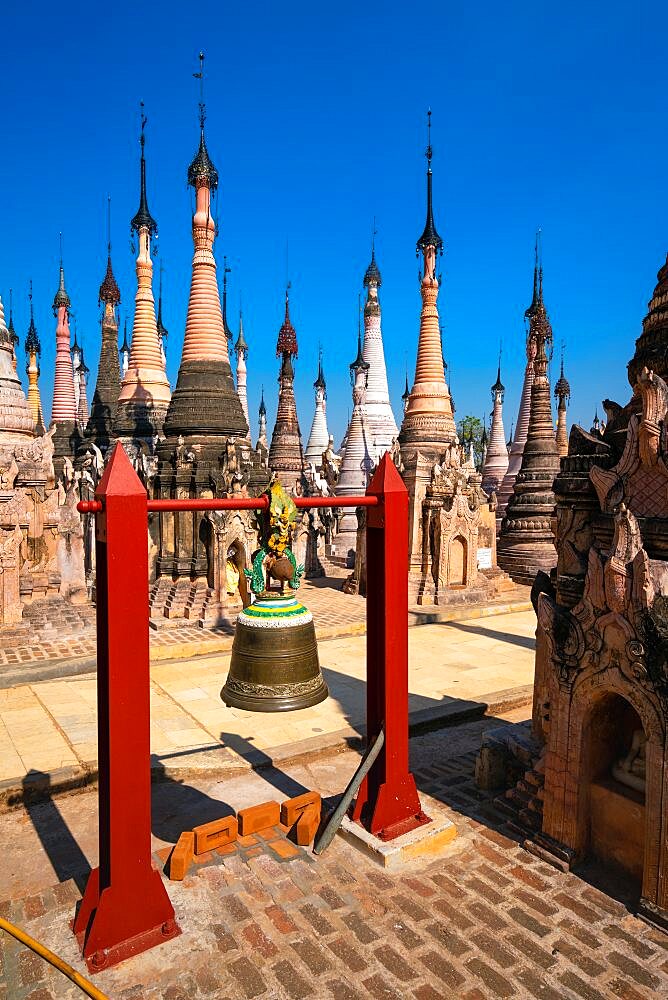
<point x="286" y="455"/>
<point x="495" y="464"/>
<point x="100" y="427"/>
<point x="17" y="419"/>
<point x="205" y="451"/>
<point x="33" y="350"/>
<point x="162" y="329"/>
<point x="526" y="540"/>
<point x="262" y="423"/>
<point x="357" y="463"/>
<point x="10" y="326"/>
<point x="562" y="392"/>
<point x="125" y="351"/>
<point x="241" y="351"/>
<point x="451" y="526"/>
<point x="64" y="410"/>
<point x="318" y="439"/>
<point x="382" y="426"/>
<point x="522" y="426"/>
<point x="81" y="375"/>
<point x="145" y="392"/>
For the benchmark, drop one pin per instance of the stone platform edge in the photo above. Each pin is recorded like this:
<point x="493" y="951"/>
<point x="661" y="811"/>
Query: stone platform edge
<point x="218" y="762"/>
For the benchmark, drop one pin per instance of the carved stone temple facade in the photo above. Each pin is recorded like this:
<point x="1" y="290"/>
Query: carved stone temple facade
<point x="452" y="525"/>
<point x="41" y="547"/>
<point x="206" y="451"/>
<point x="601" y="686"/>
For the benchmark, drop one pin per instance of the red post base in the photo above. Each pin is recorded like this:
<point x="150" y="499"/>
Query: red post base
<point x="147" y="919"/>
<point x="391" y="812"/>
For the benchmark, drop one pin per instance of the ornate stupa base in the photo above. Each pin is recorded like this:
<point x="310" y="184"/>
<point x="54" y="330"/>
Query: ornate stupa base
<point x="274" y="665"/>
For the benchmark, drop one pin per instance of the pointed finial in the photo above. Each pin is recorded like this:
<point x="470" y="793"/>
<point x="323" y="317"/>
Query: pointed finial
<point x="75" y="349"/>
<point x="11" y="313"/>
<point x="125" y="347"/>
<point x="109" y="225"/>
<point x="143" y="219"/>
<point x="61" y="297"/>
<point x="428" y="151"/>
<point x="430" y="237"/>
<point x="200" y="76"/>
<point x="406" y="393"/>
<point x="539" y="262"/>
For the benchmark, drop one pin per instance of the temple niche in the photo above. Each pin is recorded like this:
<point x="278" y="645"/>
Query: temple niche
<point x="599" y="768"/>
<point x="458" y="533"/>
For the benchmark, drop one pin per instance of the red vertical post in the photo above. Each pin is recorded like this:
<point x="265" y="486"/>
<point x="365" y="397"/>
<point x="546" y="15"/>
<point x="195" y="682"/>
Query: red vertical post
<point x="125" y="908"/>
<point x="388" y="804"/>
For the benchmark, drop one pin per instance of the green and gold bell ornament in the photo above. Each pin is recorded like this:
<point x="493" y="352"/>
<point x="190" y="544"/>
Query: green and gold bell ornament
<point x="274" y="665"/>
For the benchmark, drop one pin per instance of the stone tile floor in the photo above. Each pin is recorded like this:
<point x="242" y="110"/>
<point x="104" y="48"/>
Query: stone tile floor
<point x="486" y="920"/>
<point x="51" y="725"/>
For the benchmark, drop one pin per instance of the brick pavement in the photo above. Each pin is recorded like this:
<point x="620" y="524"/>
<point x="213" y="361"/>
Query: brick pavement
<point x="487" y="920"/>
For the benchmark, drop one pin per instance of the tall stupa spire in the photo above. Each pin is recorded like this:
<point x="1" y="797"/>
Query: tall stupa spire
<point x="428" y="422"/>
<point x="522" y="424"/>
<point x="12" y="331"/>
<point x="83" y="371"/>
<point x="496" y="460"/>
<point x="262" y="423"/>
<point x="286" y="455"/>
<point x="64" y="410"/>
<point x="162" y="329"/>
<point x="526" y="541"/>
<point x="33" y="350"/>
<point x="241" y="351"/>
<point x="16" y="419"/>
<point x="357" y="462"/>
<point x="145" y="391"/>
<point x="100" y="427"/>
<point x="125" y="350"/>
<point x="318" y="439"/>
<point x="562" y="392"/>
<point x="205" y="400"/>
<point x="382" y="426"/>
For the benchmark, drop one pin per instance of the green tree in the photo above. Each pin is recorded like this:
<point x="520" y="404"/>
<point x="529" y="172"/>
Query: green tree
<point x="471" y="428"/>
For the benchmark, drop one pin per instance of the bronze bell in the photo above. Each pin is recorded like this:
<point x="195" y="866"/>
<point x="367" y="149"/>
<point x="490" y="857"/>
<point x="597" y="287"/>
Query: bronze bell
<point x="274" y="665"/>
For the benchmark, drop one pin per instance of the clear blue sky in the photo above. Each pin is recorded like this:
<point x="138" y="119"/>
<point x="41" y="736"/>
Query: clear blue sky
<point x="550" y="115"/>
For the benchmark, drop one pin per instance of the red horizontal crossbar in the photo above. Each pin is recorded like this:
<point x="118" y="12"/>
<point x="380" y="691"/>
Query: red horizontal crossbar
<point x="240" y="503"/>
<point x="226" y="503"/>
